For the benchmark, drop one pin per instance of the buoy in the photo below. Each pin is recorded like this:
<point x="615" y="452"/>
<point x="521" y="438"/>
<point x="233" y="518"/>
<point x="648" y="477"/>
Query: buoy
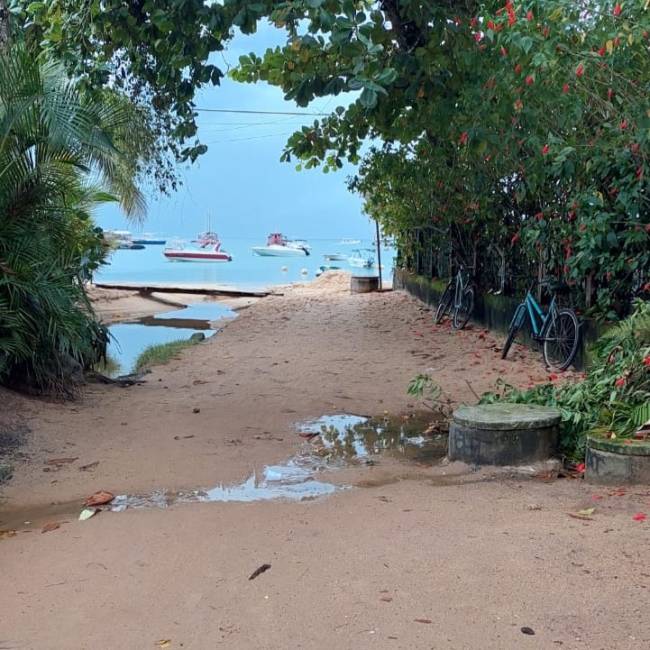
<point x="304" y="272"/>
<point x="284" y="269"/>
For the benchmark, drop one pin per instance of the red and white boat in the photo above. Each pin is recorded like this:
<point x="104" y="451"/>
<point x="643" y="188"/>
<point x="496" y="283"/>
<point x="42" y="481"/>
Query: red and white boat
<point x="207" y="249"/>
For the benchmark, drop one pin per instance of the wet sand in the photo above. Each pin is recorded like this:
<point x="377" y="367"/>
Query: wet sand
<point x="366" y="567"/>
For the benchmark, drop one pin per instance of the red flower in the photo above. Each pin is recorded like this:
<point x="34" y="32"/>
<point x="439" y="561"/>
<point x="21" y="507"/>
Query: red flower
<point x="518" y="68"/>
<point x="566" y="88"/>
<point x="623" y="125"/>
<point x="620" y="382"/>
<point x="646" y="361"/>
<point x="580" y="467"/>
<point x="463" y="137"/>
<point x="617" y="9"/>
<point x="472" y="22"/>
<point x="530" y="16"/>
<point x="580" y="70"/>
<point x="491" y="25"/>
<point x="639" y="516"/>
<point x="530" y="80"/>
<point x="610" y="94"/>
<point x="545" y="149"/>
<point x="515" y="238"/>
<point x="478" y="36"/>
<point x="553" y="377"/>
<point x="601" y="51"/>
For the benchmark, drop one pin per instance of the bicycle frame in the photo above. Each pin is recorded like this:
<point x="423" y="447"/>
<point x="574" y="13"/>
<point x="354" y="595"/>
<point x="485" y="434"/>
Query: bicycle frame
<point x="536" y="314"/>
<point x="461" y="285"/>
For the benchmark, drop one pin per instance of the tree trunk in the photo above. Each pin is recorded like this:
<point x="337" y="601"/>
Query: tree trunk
<point x="4" y="25"/>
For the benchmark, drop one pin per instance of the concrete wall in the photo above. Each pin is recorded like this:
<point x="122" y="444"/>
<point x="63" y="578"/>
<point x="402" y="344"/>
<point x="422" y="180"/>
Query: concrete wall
<point x="493" y="312"/>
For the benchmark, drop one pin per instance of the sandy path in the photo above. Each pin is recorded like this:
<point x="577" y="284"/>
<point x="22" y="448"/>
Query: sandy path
<point x="351" y="571"/>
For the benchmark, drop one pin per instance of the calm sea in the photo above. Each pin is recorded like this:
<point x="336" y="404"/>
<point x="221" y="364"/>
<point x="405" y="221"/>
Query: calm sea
<point x="246" y="271"/>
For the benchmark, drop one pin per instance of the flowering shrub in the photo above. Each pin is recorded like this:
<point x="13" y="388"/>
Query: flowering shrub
<point x="613" y="399"/>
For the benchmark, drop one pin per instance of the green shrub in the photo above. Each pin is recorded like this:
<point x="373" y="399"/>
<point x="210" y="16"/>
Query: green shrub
<point x="613" y="398"/>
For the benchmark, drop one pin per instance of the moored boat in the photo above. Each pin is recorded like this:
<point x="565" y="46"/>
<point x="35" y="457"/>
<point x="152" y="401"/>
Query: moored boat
<point x="277" y="245"/>
<point x="207" y="250"/>
<point x="147" y="239"/>
<point x="362" y="259"/>
<point x="335" y="257"/>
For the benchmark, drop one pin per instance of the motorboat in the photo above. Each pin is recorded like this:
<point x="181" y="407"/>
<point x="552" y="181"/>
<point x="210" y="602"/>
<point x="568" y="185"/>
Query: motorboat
<point x="326" y="267"/>
<point x="147" y="239"/>
<point x="122" y="240"/>
<point x="277" y="245"/>
<point x="206" y="248"/>
<point x="362" y="259"/>
<point x="335" y="257"/>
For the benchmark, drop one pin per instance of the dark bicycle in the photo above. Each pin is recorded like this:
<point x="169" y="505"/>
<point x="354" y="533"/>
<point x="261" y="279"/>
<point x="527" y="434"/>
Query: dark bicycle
<point x="558" y="329"/>
<point x="459" y="296"/>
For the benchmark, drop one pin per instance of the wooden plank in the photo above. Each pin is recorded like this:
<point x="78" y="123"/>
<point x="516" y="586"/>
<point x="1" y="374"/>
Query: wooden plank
<point x="208" y="290"/>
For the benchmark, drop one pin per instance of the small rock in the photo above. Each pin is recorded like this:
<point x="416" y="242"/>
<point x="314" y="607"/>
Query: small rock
<point x="196" y="409"/>
<point x="533" y="506"/>
<point x="528" y="630"/>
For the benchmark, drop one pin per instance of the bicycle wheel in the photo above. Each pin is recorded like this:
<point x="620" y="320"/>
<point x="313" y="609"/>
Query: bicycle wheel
<point x="444" y="304"/>
<point x="515" y="325"/>
<point x="561" y="340"/>
<point x="464" y="310"/>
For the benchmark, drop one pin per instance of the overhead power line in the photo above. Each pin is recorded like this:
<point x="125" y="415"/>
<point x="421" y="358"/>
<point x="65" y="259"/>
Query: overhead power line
<point x="231" y="110"/>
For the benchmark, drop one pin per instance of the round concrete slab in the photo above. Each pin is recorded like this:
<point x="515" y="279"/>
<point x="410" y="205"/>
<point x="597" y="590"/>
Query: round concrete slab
<point x="503" y="434"/>
<point x="507" y="417"/>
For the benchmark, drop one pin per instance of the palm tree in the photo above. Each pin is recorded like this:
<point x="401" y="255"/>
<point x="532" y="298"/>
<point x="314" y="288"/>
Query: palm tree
<point x="57" y="161"/>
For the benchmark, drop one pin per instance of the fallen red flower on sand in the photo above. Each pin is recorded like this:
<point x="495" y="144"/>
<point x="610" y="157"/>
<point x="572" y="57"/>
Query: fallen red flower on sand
<point x="580" y="467"/>
<point x="553" y="377"/>
<point x="640" y="516"/>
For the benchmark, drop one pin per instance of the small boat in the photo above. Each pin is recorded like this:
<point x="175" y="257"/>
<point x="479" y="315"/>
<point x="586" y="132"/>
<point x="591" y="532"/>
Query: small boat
<point x="277" y="245"/>
<point x="207" y="249"/>
<point x="361" y="259"/>
<point x="335" y="257"/>
<point x="326" y="267"/>
<point x="147" y="239"/>
<point x="122" y="240"/>
<point x="350" y="242"/>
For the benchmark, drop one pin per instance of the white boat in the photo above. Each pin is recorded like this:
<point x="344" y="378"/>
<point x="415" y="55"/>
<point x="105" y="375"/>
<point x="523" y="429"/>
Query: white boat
<point x="335" y="257"/>
<point x="279" y="246"/>
<point x="207" y="249"/>
<point x="361" y="259"/>
<point x="350" y="242"/>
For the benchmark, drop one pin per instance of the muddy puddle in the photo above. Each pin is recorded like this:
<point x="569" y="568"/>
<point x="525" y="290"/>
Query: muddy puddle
<point x="337" y="452"/>
<point x="129" y="339"/>
<point x="330" y="443"/>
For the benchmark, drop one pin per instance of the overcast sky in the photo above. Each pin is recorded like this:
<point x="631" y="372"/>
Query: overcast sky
<point x="241" y="181"/>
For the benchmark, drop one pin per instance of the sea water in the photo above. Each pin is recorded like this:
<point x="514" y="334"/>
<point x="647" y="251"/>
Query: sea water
<point x="246" y="271"/>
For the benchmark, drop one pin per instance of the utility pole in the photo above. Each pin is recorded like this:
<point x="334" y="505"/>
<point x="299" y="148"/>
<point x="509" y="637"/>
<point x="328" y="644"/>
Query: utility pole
<point x="381" y="283"/>
<point x="4" y="25"/>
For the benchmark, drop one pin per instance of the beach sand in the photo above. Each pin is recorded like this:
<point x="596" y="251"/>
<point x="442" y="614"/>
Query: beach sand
<point x="405" y="560"/>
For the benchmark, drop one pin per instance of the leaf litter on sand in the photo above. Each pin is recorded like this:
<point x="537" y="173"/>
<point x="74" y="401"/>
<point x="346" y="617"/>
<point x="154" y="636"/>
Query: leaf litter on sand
<point x="49" y="527"/>
<point x="100" y="498"/>
<point x="87" y="513"/>
<point x="5" y="534"/>
<point x="259" y="571"/>
<point x="583" y="514"/>
<point x="164" y="643"/>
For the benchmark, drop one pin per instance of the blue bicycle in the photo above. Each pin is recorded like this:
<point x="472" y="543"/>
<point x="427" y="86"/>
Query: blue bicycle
<point x="558" y="330"/>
